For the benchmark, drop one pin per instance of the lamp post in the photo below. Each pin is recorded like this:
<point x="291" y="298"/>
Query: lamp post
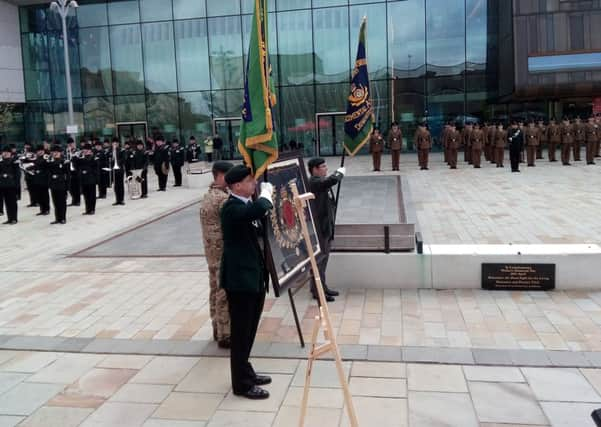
<point x="62" y="7"/>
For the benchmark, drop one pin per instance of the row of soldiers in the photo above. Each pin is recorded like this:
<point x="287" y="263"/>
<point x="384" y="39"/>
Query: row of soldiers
<point x="53" y="172"/>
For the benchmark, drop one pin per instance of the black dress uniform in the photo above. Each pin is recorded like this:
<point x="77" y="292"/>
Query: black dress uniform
<point x="177" y="162"/>
<point x="160" y="160"/>
<point x="74" y="184"/>
<point x="119" y="176"/>
<point x="10" y="176"/>
<point x="87" y="168"/>
<point x="59" y="172"/>
<point x="27" y="159"/>
<point x="138" y="159"/>
<point x="516" y="143"/>
<point x="193" y="153"/>
<point x="104" y="167"/>
<point x="39" y="182"/>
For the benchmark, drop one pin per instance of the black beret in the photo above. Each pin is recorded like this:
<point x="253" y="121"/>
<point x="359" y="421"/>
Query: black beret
<point x="56" y="148"/>
<point x="313" y="163"/>
<point x="115" y="139"/>
<point x="86" y="146"/>
<point x="139" y="142"/>
<point x="222" y="166"/>
<point x="6" y="149"/>
<point x="70" y="140"/>
<point x="192" y="138"/>
<point x="97" y="142"/>
<point x="237" y="174"/>
<point x="12" y="146"/>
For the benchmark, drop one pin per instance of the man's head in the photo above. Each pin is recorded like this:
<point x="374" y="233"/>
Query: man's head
<point x="395" y="126"/>
<point x="376" y="131"/>
<point x="219" y="170"/>
<point x="139" y="145"/>
<point x="6" y="153"/>
<point x="97" y="144"/>
<point x="241" y="181"/>
<point x="159" y="140"/>
<point x="318" y="167"/>
<point x="40" y="149"/>
<point x="115" y="143"/>
<point x="192" y="140"/>
<point x="175" y="143"/>
<point x="56" y="151"/>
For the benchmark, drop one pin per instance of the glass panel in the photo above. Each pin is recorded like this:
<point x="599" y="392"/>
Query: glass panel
<point x="249" y="6"/>
<point x="159" y="57"/>
<point x="322" y="3"/>
<point x="95" y="55"/>
<point x="331" y="98"/>
<point x="293" y="4"/>
<point x="298" y="116"/>
<point x="407" y="45"/>
<point x="54" y="21"/>
<point x="195" y="115"/>
<point x="130" y="108"/>
<point x="123" y="12"/>
<point x="56" y="52"/>
<point x="331" y="29"/>
<point x="273" y="42"/>
<point x="227" y="103"/>
<point x="225" y="47"/>
<point x="192" y="55"/>
<point x="36" y="66"/>
<point x="99" y="116"/>
<point x="92" y="14"/>
<point x="126" y="58"/>
<point x="155" y="10"/>
<point x="188" y="9"/>
<point x="376" y="37"/>
<point x="163" y="115"/>
<point x="33" y="19"/>
<point x="39" y="121"/>
<point x="223" y="7"/>
<point x="295" y="47"/>
<point x="61" y="117"/>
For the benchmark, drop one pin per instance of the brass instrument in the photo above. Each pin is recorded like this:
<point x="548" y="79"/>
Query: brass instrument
<point x="134" y="184"/>
<point x="115" y="164"/>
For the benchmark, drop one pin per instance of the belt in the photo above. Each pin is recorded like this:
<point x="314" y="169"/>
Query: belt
<point x="5" y="175"/>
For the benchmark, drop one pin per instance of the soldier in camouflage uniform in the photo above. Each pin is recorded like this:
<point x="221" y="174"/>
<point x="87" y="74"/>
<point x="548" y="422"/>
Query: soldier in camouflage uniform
<point x="210" y="209"/>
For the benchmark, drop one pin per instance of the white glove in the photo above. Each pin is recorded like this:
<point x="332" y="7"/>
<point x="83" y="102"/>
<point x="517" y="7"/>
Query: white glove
<point x="341" y="170"/>
<point x="266" y="191"/>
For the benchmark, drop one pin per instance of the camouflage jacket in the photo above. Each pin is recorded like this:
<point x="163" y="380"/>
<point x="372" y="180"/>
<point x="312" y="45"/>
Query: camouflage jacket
<point x="210" y="209"/>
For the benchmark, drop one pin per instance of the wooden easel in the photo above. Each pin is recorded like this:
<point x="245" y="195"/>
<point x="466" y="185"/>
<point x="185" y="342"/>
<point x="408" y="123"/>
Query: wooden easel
<point x="322" y="320"/>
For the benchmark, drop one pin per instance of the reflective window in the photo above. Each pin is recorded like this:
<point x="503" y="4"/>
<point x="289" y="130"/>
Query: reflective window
<point x="249" y="6"/>
<point x="183" y="9"/>
<point x="476" y="32"/>
<point x="92" y="14"/>
<point x="223" y="7"/>
<point x="33" y="19"/>
<point x="99" y="115"/>
<point x="407" y="49"/>
<point x="297" y="114"/>
<point x="123" y="12"/>
<point x="155" y="10"/>
<point x="293" y="4"/>
<point x="36" y="66"/>
<point x="331" y="29"/>
<point x="39" y="120"/>
<point x="376" y="37"/>
<point x="225" y="50"/>
<point x="56" y="53"/>
<point x="192" y="55"/>
<point x="95" y="55"/>
<point x="322" y="3"/>
<point x="227" y="103"/>
<point x="126" y="57"/>
<point x="163" y="116"/>
<point x="295" y="47"/>
<point x="195" y="115"/>
<point x="61" y="116"/>
<point x="130" y="108"/>
<point x="159" y="57"/>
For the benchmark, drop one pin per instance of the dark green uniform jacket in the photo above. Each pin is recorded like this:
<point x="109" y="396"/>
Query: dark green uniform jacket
<point x="325" y="205"/>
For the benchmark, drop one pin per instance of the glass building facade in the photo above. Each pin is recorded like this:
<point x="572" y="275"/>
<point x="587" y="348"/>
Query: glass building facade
<point x="177" y="66"/>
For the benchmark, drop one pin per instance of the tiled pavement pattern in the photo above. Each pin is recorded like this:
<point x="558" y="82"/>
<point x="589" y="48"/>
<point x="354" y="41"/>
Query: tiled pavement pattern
<point x="47" y="389"/>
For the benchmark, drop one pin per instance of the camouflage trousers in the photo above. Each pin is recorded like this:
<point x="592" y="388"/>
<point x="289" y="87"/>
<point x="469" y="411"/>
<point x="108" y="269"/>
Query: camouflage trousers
<point x="220" y="316"/>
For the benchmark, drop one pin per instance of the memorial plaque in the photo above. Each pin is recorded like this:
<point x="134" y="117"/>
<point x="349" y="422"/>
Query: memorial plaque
<point x="518" y="277"/>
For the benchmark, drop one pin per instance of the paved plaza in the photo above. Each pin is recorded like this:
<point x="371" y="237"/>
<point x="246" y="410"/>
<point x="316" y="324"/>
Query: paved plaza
<point x="105" y="321"/>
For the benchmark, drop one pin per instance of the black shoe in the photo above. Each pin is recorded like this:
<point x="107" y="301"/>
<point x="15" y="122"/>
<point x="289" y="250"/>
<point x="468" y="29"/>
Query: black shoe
<point x="118" y="204"/>
<point x="62" y="221"/>
<point x="144" y="196"/>
<point x="54" y="222"/>
<point x="32" y="205"/>
<point x="13" y="222"/>
<point x="74" y="204"/>
<point x="328" y="298"/>
<point x="330" y="292"/>
<point x="224" y="343"/>
<point x="254" y="393"/>
<point x="39" y="214"/>
<point x="262" y="380"/>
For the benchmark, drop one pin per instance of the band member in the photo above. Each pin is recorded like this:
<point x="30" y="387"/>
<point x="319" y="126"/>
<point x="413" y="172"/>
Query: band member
<point x="543" y="138"/>
<point x="160" y="161"/>
<point x="453" y="142"/>
<point x="244" y="275"/>
<point x="210" y="208"/>
<point x="59" y="172"/>
<point x="376" y="146"/>
<point x="27" y="159"/>
<point x="477" y="144"/>
<point x="87" y="168"/>
<point x="138" y="160"/>
<point x="516" y="142"/>
<point x="10" y="176"/>
<point x="554" y="135"/>
<point x="532" y="142"/>
<point x="177" y="156"/>
<point x="579" y="130"/>
<point x="522" y="129"/>
<point x="193" y="151"/>
<point x="74" y="184"/>
<point x="598" y="144"/>
<point x="467" y="149"/>
<point x="423" y="142"/>
<point x="567" y="139"/>
<point x="104" y="168"/>
<point x="40" y="180"/>
<point x="320" y="184"/>
<point x="485" y="146"/>
<point x="395" y="143"/>
<point x="500" y="141"/>
<point x="592" y="138"/>
<point x="118" y="157"/>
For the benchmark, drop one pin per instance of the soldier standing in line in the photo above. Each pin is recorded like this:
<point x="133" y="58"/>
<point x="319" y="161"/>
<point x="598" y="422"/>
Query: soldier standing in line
<point x="592" y="139"/>
<point x="444" y="141"/>
<point x="103" y="168"/>
<point x="160" y="161"/>
<point x="423" y="142"/>
<point x="192" y="151"/>
<point x="118" y="169"/>
<point x="598" y="144"/>
<point x="177" y="156"/>
<point x="485" y="145"/>
<point x="74" y="184"/>
<point x="523" y="129"/>
<point x="500" y="141"/>
<point x="210" y="208"/>
<point x="27" y="158"/>
<point x="395" y="143"/>
<point x="476" y="142"/>
<point x="579" y="129"/>
<point x="40" y="180"/>
<point x="453" y="141"/>
<point x="532" y="142"/>
<point x="490" y="141"/>
<point x="244" y="275"/>
<point x="516" y="143"/>
<point x="542" y="138"/>
<point x="138" y="160"/>
<point x="87" y="168"/>
<point x="376" y="146"/>
<point x="10" y="176"/>
<point x="59" y="172"/>
<point x="467" y="149"/>
<point x="567" y="139"/>
<point x="554" y="134"/>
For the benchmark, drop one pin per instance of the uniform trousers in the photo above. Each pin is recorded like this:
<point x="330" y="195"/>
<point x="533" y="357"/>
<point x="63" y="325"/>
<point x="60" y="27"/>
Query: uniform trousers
<point x="245" y="313"/>
<point x="376" y="159"/>
<point x="322" y="263"/>
<point x="598" y="149"/>
<point x="59" y="200"/>
<point x="576" y="148"/>
<point x="499" y="156"/>
<point x="552" y="151"/>
<point x="452" y="158"/>
<point x="590" y="152"/>
<point x="422" y="157"/>
<point x="32" y="200"/>
<point x="487" y="153"/>
<point x="476" y="157"/>
<point x="89" y="197"/>
<point x="565" y="153"/>
<point x="8" y="198"/>
<point x="531" y="154"/>
<point x="42" y="197"/>
<point x="396" y="157"/>
<point x="119" y="185"/>
<point x="539" y="150"/>
<point x="75" y="189"/>
<point x="515" y="152"/>
<point x="177" y="174"/>
<point x="161" y="177"/>
<point x="467" y="154"/>
<point x="103" y="183"/>
<point x="144" y="183"/>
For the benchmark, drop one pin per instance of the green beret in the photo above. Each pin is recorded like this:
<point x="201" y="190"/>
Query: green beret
<point x="237" y="174"/>
<point x="222" y="167"/>
<point x="313" y="163"/>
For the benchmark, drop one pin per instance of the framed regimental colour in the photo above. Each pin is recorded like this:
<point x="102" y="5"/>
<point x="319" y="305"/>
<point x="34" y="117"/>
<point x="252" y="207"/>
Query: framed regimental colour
<point x="288" y="258"/>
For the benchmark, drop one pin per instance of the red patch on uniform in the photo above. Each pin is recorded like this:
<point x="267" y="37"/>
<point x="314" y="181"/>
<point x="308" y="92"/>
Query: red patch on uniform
<point x="288" y="214"/>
